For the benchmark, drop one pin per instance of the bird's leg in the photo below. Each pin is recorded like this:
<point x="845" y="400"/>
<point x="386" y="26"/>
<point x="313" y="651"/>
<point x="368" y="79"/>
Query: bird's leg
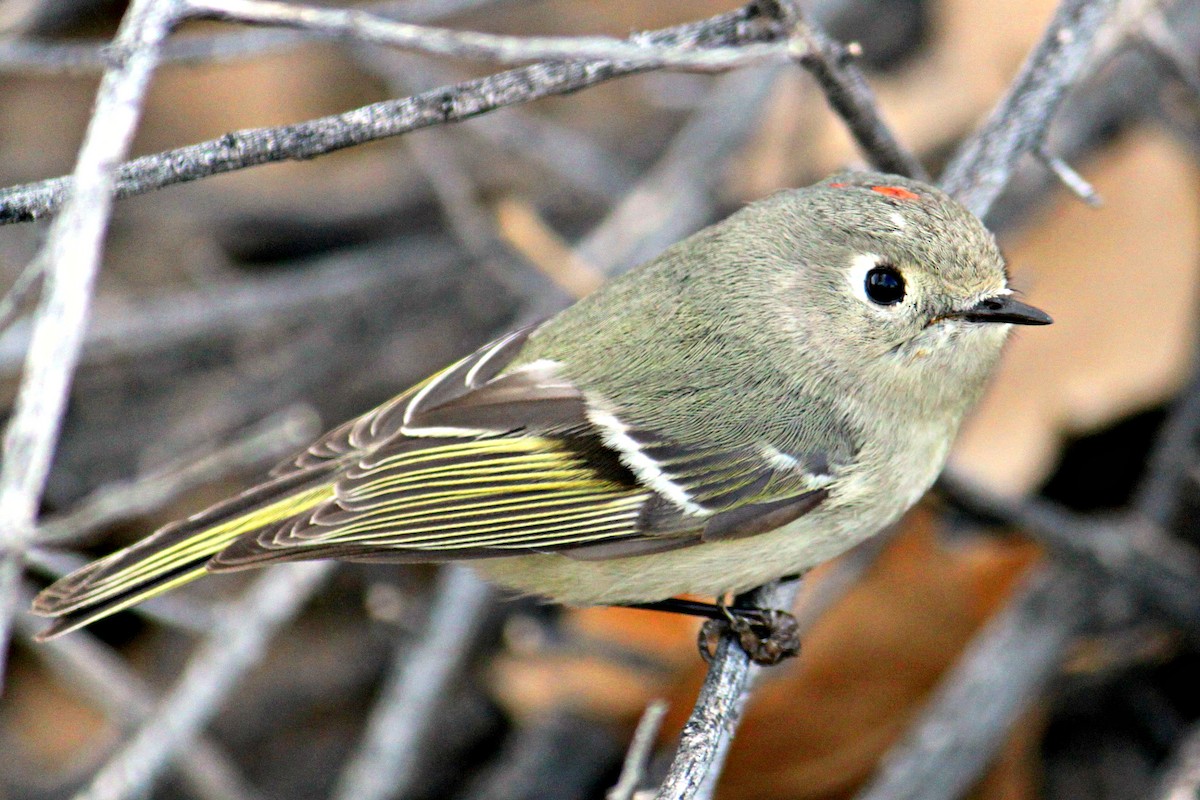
<point x="767" y="635"/>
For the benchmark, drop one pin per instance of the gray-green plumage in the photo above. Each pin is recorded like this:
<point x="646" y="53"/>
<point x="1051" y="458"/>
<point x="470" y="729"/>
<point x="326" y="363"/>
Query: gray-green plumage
<point x="751" y="332"/>
<point x="752" y="402"/>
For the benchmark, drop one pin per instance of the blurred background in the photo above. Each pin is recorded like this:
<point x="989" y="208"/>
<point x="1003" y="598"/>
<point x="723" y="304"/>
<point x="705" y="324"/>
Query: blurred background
<point x="239" y="315"/>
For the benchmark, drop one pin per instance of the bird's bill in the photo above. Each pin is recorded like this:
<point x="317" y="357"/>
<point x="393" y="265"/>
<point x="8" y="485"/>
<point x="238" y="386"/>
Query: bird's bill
<point x="1004" y="308"/>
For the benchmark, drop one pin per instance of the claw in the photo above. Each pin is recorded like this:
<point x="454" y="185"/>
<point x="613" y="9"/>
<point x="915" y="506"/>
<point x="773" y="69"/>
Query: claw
<point x="767" y="636"/>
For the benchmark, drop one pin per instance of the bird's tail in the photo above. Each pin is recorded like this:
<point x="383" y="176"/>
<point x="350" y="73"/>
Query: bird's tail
<point x="175" y="554"/>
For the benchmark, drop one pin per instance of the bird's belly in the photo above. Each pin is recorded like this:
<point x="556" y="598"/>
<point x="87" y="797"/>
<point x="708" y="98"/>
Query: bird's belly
<point x="707" y="569"/>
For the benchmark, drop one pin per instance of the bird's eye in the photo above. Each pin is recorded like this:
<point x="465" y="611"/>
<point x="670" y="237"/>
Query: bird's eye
<point x="885" y="285"/>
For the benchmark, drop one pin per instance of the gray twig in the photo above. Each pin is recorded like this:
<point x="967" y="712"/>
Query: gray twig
<point x="982" y="167"/>
<point x="673" y="199"/>
<point x="71" y="257"/>
<point x="850" y="96"/>
<point x="237" y="641"/>
<point x="1165" y="44"/>
<point x="88" y="665"/>
<point x="633" y="770"/>
<point x="247" y="148"/>
<point x="386" y="760"/>
<point x="1068" y="177"/>
<point x="366" y="27"/>
<point x="1006" y="665"/>
<point x="726" y="690"/>
<point x="1181" y="779"/>
<point x="272" y="439"/>
<point x="1161" y="572"/>
<point x="30" y="55"/>
<point x="572" y="156"/>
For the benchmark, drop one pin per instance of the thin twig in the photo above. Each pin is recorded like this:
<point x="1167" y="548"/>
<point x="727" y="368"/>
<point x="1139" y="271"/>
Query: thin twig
<point x="31" y="55"/>
<point x="1181" y="779"/>
<point x="1171" y="51"/>
<point x="272" y="439"/>
<point x="237" y="641"/>
<point x="88" y="666"/>
<point x="180" y="318"/>
<point x="1162" y="573"/>
<point x="473" y="225"/>
<point x="641" y="746"/>
<point x="982" y="167"/>
<point x="305" y="140"/>
<point x="1005" y="666"/>
<point x="674" y="197"/>
<point x="72" y="257"/>
<point x="850" y="96"/>
<point x="385" y="762"/>
<point x="726" y="690"/>
<point x="571" y="155"/>
<point x="1174" y="451"/>
<point x="366" y="27"/>
<point x="28" y="282"/>
<point x="1068" y="177"/>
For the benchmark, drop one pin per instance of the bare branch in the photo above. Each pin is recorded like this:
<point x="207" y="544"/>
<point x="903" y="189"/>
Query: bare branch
<point x="367" y="27"/>
<point x="386" y="760"/>
<point x="89" y="666"/>
<point x="1068" y="177"/>
<point x="851" y="98"/>
<point x="1161" y="572"/>
<point x="1008" y="663"/>
<point x="305" y="140"/>
<point x="28" y="55"/>
<point x="1181" y="780"/>
<point x="272" y="439"/>
<point x="1178" y="58"/>
<point x="638" y="755"/>
<point x="1017" y="126"/>
<point x="71" y="256"/>
<point x="237" y="641"/>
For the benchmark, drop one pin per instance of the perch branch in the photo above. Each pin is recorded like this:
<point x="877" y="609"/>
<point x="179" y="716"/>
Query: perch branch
<point x="714" y="719"/>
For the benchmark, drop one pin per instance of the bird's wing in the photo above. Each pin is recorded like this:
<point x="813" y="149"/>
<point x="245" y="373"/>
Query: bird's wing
<point x="480" y="462"/>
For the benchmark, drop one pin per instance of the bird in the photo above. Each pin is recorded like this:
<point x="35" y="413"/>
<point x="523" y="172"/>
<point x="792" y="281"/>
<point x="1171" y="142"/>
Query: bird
<point x="752" y="402"/>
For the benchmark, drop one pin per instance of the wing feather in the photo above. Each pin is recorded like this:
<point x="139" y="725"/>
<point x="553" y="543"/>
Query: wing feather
<point x="490" y="459"/>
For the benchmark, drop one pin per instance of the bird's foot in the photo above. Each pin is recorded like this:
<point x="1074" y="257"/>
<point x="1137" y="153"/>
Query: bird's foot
<point x="768" y="636"/>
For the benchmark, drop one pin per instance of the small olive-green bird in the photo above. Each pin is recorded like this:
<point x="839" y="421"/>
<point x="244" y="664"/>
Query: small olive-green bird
<point x="754" y="401"/>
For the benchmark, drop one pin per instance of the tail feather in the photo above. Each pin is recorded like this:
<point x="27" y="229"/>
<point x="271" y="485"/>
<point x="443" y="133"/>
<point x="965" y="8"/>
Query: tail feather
<point x="177" y="553"/>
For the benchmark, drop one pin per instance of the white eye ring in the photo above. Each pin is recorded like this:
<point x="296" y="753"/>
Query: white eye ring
<point x="860" y="275"/>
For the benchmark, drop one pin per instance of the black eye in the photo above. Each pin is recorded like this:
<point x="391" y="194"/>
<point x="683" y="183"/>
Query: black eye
<point x="885" y="285"/>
